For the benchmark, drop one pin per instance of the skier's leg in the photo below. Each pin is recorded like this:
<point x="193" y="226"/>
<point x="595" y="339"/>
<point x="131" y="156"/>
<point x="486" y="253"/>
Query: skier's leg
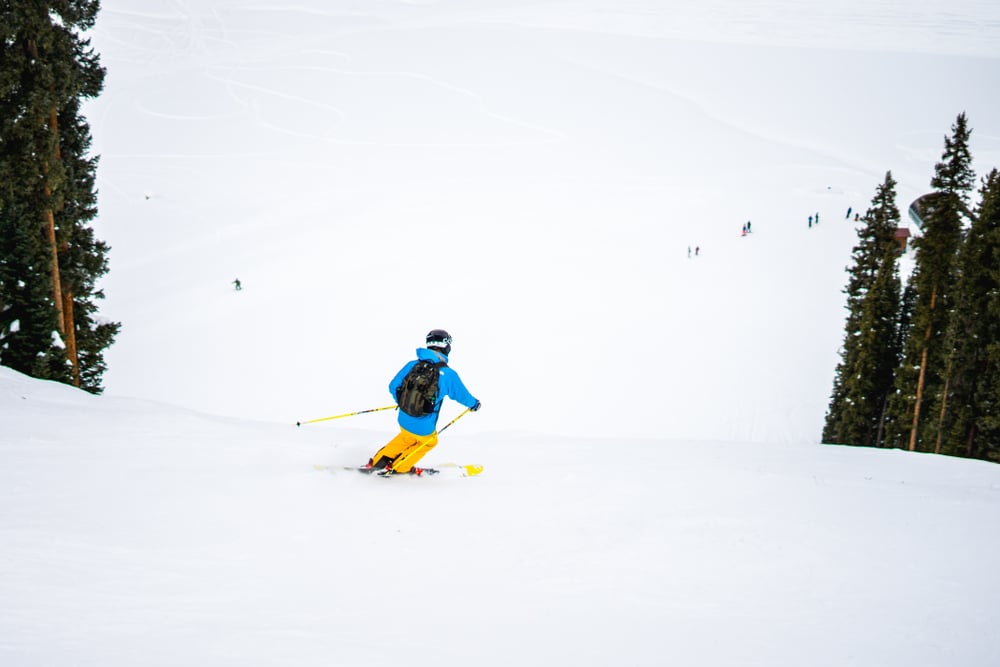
<point x="415" y="452"/>
<point x="392" y="449"/>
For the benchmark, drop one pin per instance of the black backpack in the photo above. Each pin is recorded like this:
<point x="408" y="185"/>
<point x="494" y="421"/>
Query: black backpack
<point x="418" y="393"/>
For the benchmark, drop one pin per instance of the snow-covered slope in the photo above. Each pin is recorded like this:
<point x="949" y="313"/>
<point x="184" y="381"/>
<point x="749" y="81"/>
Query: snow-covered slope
<point x="528" y="175"/>
<point x="135" y="533"/>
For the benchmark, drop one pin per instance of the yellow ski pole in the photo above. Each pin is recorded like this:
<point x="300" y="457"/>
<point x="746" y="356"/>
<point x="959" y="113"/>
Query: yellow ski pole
<point x="465" y="412"/>
<point x="349" y="414"/>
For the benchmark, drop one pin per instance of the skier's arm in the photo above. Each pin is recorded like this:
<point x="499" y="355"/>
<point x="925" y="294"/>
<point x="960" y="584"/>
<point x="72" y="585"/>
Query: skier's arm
<point x="456" y="391"/>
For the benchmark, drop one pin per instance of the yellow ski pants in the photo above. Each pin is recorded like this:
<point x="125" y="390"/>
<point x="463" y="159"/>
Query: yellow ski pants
<point x="406" y="449"/>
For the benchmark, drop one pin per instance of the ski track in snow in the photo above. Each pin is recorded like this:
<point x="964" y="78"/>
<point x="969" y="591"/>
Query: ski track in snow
<point x="571" y="146"/>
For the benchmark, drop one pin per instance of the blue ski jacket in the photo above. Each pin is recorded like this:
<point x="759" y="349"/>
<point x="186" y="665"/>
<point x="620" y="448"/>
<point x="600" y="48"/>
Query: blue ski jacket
<point x="449" y="384"/>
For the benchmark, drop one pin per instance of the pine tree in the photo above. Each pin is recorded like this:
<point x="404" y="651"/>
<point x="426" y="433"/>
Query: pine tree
<point x="971" y="399"/>
<point x="921" y="375"/>
<point x="871" y="351"/>
<point x="83" y="258"/>
<point x="50" y="260"/>
<point x="899" y="405"/>
<point x="27" y="319"/>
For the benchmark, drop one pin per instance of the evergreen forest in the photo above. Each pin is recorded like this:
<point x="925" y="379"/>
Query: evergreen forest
<point x="920" y="363"/>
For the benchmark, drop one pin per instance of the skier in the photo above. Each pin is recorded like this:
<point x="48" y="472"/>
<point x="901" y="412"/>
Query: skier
<point x="418" y="435"/>
<point x="748" y="227"/>
<point x="848" y="216"/>
<point x="810" y="222"/>
<point x="237" y="285"/>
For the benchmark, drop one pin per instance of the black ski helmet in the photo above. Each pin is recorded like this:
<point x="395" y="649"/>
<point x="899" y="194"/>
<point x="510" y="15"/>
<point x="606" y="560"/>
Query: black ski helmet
<point x="439" y="339"/>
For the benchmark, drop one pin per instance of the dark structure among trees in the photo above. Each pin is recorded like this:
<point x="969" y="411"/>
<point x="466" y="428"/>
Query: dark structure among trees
<point x="50" y="260"/>
<point x="920" y="369"/>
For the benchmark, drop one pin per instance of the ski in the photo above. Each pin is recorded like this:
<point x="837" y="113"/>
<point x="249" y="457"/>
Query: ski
<point x="449" y="469"/>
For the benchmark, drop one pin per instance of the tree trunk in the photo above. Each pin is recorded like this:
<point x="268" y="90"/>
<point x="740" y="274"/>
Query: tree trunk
<point x="944" y="405"/>
<point x="50" y="218"/>
<point x="881" y="422"/>
<point x="50" y="236"/>
<point x="923" y="371"/>
<point x="970" y="440"/>
<point x="70" y="337"/>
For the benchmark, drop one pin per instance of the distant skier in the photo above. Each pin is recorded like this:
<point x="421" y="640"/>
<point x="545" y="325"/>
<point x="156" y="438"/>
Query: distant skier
<point x="848" y="216"/>
<point x="810" y="222"/>
<point x="744" y="232"/>
<point x="697" y="249"/>
<point x="817" y="218"/>
<point x="418" y="434"/>
<point x="748" y="226"/>
<point x="237" y="285"/>
<point x="689" y="252"/>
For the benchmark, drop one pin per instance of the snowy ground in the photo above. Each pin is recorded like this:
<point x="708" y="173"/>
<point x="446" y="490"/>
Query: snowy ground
<point x="551" y="161"/>
<point x="134" y="533"/>
<point x="654" y="492"/>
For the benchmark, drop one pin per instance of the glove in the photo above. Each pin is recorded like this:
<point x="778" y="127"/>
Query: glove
<point x="478" y="405"/>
